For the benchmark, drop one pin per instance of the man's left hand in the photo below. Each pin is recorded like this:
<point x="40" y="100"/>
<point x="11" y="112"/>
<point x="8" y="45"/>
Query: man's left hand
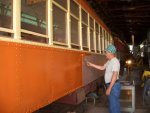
<point x="108" y="91"/>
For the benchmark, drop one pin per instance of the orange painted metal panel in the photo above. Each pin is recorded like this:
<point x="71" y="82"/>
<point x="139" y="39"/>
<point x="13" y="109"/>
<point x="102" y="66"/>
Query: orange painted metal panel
<point x="34" y="76"/>
<point x="9" y="94"/>
<point x="91" y="74"/>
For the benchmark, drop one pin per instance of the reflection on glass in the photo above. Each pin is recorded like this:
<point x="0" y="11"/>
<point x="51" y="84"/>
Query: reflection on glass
<point x="84" y="35"/>
<point x="97" y="27"/>
<point x="59" y="25"/>
<point x="91" y="40"/>
<point x="84" y="17"/>
<point x="74" y="31"/>
<point x="33" y="16"/>
<point x="6" y="13"/>
<point x="91" y="23"/>
<point x="63" y="3"/>
<point x="97" y="43"/>
<point x="101" y="43"/>
<point x="74" y="8"/>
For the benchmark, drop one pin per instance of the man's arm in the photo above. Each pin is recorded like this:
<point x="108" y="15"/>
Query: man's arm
<point x="96" y="66"/>
<point x="113" y="80"/>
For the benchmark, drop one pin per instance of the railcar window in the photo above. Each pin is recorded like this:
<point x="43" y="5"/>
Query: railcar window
<point x="34" y="24"/>
<point x="33" y="18"/>
<point x="74" y="32"/>
<point x="92" y="34"/>
<point x="31" y="37"/>
<point x="59" y="25"/>
<point x="5" y="17"/>
<point x="6" y="34"/>
<point x="63" y="3"/>
<point x="97" y="37"/>
<point x="109" y="39"/>
<point x="6" y="13"/>
<point x="101" y="39"/>
<point x="84" y="17"/>
<point x="92" y="40"/>
<point x="96" y="26"/>
<point x="74" y="8"/>
<point x="91" y="23"/>
<point x="105" y="39"/>
<point x="97" y="43"/>
<point x="84" y="36"/>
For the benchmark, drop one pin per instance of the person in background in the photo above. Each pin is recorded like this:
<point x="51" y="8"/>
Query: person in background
<point x="111" y="77"/>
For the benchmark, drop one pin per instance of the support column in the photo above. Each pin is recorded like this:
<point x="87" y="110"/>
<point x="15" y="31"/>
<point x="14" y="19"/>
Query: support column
<point x="148" y="46"/>
<point x="17" y="19"/>
<point x="49" y="21"/>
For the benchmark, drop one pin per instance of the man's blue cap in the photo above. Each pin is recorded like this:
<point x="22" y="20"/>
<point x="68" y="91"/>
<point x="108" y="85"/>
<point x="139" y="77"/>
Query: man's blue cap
<point x="111" y="49"/>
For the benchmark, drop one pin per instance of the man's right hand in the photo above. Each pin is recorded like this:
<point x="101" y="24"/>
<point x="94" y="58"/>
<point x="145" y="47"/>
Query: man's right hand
<point x="89" y="64"/>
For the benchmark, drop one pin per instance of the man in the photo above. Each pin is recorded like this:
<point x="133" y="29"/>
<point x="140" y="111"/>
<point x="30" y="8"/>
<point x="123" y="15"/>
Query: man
<point x="111" y="76"/>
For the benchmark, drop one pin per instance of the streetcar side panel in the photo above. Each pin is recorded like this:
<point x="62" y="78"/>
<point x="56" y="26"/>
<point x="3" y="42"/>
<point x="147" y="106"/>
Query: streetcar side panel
<point x="34" y="76"/>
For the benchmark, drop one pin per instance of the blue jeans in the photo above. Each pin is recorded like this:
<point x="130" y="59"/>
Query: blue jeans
<point x="113" y="98"/>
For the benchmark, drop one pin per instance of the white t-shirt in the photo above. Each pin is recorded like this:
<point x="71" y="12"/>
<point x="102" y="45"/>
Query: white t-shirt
<point x="111" y="65"/>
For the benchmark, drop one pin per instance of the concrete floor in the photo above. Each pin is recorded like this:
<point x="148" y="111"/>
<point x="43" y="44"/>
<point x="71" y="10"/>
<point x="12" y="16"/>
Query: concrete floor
<point x="101" y="105"/>
<point x="89" y="107"/>
<point x="100" y="109"/>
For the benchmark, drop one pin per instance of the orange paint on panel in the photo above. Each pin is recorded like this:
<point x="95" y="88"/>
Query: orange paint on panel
<point x="33" y="76"/>
<point x="9" y="95"/>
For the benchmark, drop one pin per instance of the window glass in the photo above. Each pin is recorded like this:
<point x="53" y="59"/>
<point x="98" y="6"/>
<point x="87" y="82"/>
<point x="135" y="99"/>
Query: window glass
<point x="97" y="43"/>
<point x="91" y="40"/>
<point x="97" y="27"/>
<point x="6" y="14"/>
<point x="107" y="39"/>
<point x="63" y="3"/>
<point x="33" y="16"/>
<point x="30" y="37"/>
<point x="74" y="31"/>
<point x="104" y="39"/>
<point x="74" y="8"/>
<point x="101" y="40"/>
<point x="59" y="24"/>
<point x="84" y="35"/>
<point x="101" y="44"/>
<point x="91" y="23"/>
<point x="100" y="30"/>
<point x="84" y="17"/>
